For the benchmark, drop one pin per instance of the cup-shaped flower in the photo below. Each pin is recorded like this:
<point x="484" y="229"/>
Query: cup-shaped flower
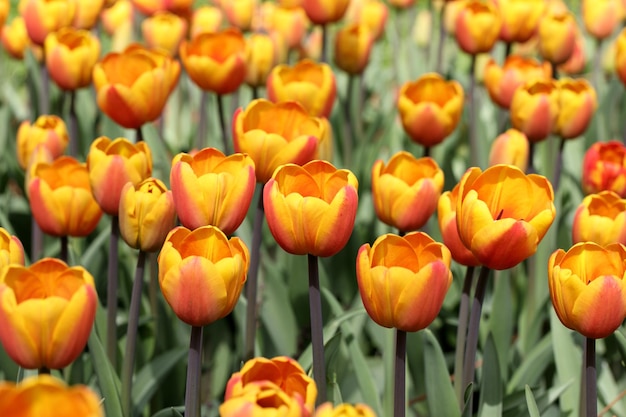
<point x="216" y="62"/>
<point x="577" y="105"/>
<point x="406" y="190"/>
<point x="261" y="56"/>
<point x="502" y="214"/>
<point x="520" y="19"/>
<point x="164" y="30"/>
<point x="87" y="13"/>
<point x="201" y="273"/>
<point x="310" y="209"/>
<point x="587" y="287"/>
<point x="535" y="109"/>
<point x="344" y="410"/>
<point x="353" y="44"/>
<point x="446" y="216"/>
<point x="70" y="56"/>
<point x="44" y="392"/>
<point x="310" y="83"/>
<point x="133" y="86"/>
<point x="113" y="163"/>
<point x="212" y="189"/>
<point x="47" y="131"/>
<point x="601" y="17"/>
<point x="373" y="14"/>
<point x="600" y="218"/>
<point x="290" y="23"/>
<point x="403" y="280"/>
<point x="146" y="214"/>
<point x="239" y="13"/>
<point x="557" y="36"/>
<point x="263" y="398"/>
<point x="322" y="12"/>
<point x="205" y="19"/>
<point x="11" y="249"/>
<point x="276" y="134"/>
<point x="502" y="81"/>
<point x="511" y="148"/>
<point x="46" y="16"/>
<point x="46" y="313"/>
<point x="478" y="26"/>
<point x="604" y="168"/>
<point x="15" y="40"/>
<point x="61" y="198"/>
<point x="430" y="101"/>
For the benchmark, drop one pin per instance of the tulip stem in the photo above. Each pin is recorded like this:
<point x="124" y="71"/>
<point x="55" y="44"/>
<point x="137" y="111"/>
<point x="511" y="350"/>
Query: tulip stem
<point x="139" y="135"/>
<point x="349" y="127"/>
<point x="442" y="39"/>
<point x="555" y="71"/>
<point x="474" y="151"/>
<point x="472" y="333"/>
<point x="220" y="115"/>
<point x="558" y="166"/>
<point x="252" y="284"/>
<point x="426" y="151"/>
<point x="591" y="389"/>
<point x="399" y="403"/>
<point x="317" y="333"/>
<point x="44" y="100"/>
<point x="112" y="292"/>
<point x="64" y="252"/>
<point x="36" y="248"/>
<point x="255" y="92"/>
<point x="131" y="336"/>
<point x="43" y="371"/>
<point x="461" y="334"/>
<point x="194" y="363"/>
<point x="531" y="159"/>
<point x="73" y="126"/>
<point x="201" y="135"/>
<point x="325" y="43"/>
<point x="507" y="49"/>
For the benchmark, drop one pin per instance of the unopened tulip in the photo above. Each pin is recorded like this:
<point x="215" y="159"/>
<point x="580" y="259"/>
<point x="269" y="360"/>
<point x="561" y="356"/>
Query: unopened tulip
<point x="70" y="56"/>
<point x="212" y="189"/>
<point x="5" y="6"/>
<point x="557" y="36"/>
<point x="406" y="190"/>
<point x="600" y="218"/>
<point x="261" y="56"/>
<point x="587" y="288"/>
<point x="535" y="109"/>
<point x="620" y="55"/>
<point x="502" y="214"/>
<point x="577" y="105"/>
<point x="164" y="30"/>
<point x="353" y="44"/>
<point x="373" y="14"/>
<point x="310" y="209"/>
<point x="113" y="163"/>
<point x="46" y="313"/>
<point x="14" y="37"/>
<point x="46" y="16"/>
<point x="600" y="17"/>
<point x="430" y="101"/>
<point x="87" y="13"/>
<point x="446" y="216"/>
<point x="511" y="148"/>
<point x="202" y="273"/>
<point x="120" y="14"/>
<point x="321" y="12"/>
<point x="520" y="19"/>
<point x="403" y="280"/>
<point x="149" y="7"/>
<point x="450" y="13"/>
<point x="604" y="168"/>
<point x="344" y="410"/>
<point x="205" y="19"/>
<point x="239" y="13"/>
<point x="11" y="249"/>
<point x="48" y="131"/>
<point x="291" y="24"/>
<point x="575" y="64"/>
<point x="478" y="26"/>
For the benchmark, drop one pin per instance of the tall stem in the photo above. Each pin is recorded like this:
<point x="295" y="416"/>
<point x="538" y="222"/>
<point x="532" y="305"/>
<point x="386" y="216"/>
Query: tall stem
<point x="36" y="248"/>
<point x="473" y="140"/>
<point x="201" y="135"/>
<point x="64" y="252"/>
<point x="74" y="140"/>
<point x="591" y="390"/>
<point x="325" y="43"/>
<point x="220" y="114"/>
<point x="442" y="39"/>
<point x="399" y="402"/>
<point x="131" y="336"/>
<point x="192" y="389"/>
<point x="139" y="136"/>
<point x="556" y="179"/>
<point x="349" y="128"/>
<point x="531" y="159"/>
<point x="44" y="100"/>
<point x="252" y="283"/>
<point x="461" y="334"/>
<point x="317" y="334"/>
<point x="112" y="292"/>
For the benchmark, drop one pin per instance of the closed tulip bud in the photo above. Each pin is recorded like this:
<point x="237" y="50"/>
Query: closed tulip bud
<point x="535" y="109"/>
<point x="600" y="218"/>
<point x="344" y="410"/>
<point x="502" y="214"/>
<point x="120" y="14"/>
<point x="511" y="148"/>
<point x="45" y="16"/>
<point x="604" y="168"/>
<point x="575" y="64"/>
<point x="14" y="37"/>
<point x="48" y="131"/>
<point x="113" y="163"/>
<point x="403" y="280"/>
<point x="353" y="44"/>
<point x="11" y="249"/>
<point x="5" y="6"/>
<point x="577" y="105"/>
<point x="216" y="62"/>
<point x="587" y="288"/>
<point x="46" y="313"/>
<point x="430" y="101"/>
<point x="291" y="24"/>
<point x="446" y="216"/>
<point x="520" y="19"/>
<point x="557" y="36"/>
<point x="321" y="12"/>
<point x="261" y="56"/>
<point x="406" y="190"/>
<point x="201" y="273"/>
<point x="311" y="209"/>
<point x="212" y="189"/>
<point x="600" y="17"/>
<point x="70" y="56"/>
<point x="423" y="28"/>
<point x="87" y="12"/>
<point x="164" y="30"/>
<point x="149" y="7"/>
<point x="620" y="55"/>
<point x="239" y="13"/>
<point x="502" y="81"/>
<point x="373" y="14"/>
<point x="450" y="13"/>
<point x="477" y="26"/>
<point x="276" y="134"/>
<point x="205" y="19"/>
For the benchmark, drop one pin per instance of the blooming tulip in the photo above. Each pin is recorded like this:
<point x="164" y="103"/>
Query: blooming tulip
<point x="344" y="410"/>
<point x="239" y="13"/>
<point x="406" y="190"/>
<point x="11" y="249"/>
<point x="535" y="109"/>
<point x="46" y="313"/>
<point x="520" y="19"/>
<point x="587" y="288"/>
<point x="446" y="215"/>
<point x="46" y="16"/>
<point x="263" y="398"/>
<point x="321" y="12"/>
<point x="510" y="148"/>
<point x="600" y="218"/>
<point x="164" y="30"/>
<point x="311" y="209"/>
<point x="353" y="45"/>
<point x="276" y="134"/>
<point x="261" y="56"/>
<point x="600" y="17"/>
<point x="577" y="104"/>
<point x="201" y="273"/>
<point x="47" y="131"/>
<point x="557" y="36"/>
<point x="70" y="56"/>
<point x="478" y="25"/>
<point x="502" y="214"/>
<point x="113" y="163"/>
<point x="604" y="168"/>
<point x="205" y="19"/>
<point x="212" y="189"/>
<point x="87" y="12"/>
<point x="14" y="38"/>
<point x="430" y="101"/>
<point x="403" y="280"/>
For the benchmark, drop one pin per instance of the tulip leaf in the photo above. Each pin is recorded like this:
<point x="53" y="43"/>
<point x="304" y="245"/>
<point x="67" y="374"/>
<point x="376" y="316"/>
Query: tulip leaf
<point x="501" y="320"/>
<point x="107" y="378"/>
<point x="608" y="390"/>
<point x="533" y="366"/>
<point x="440" y="395"/>
<point x="277" y="309"/>
<point x="568" y="360"/>
<point x="533" y="410"/>
<point x="94" y="249"/>
<point x="491" y="381"/>
<point x="170" y="412"/>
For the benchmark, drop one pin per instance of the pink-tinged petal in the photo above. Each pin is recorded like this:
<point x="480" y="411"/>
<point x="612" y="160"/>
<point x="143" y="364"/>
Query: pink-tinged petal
<point x="335" y="227"/>
<point x="600" y="309"/>
<point x="504" y="244"/>
<point x="14" y="335"/>
<point x="188" y="197"/>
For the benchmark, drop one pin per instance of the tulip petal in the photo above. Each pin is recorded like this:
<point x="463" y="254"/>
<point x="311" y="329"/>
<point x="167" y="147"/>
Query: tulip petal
<point x="505" y="243"/>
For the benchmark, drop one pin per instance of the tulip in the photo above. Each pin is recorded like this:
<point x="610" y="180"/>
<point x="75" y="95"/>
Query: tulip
<point x="113" y="163"/>
<point x="46" y="16"/>
<point x="239" y="13"/>
<point x="11" y="249"/>
<point x="87" y="13"/>
<point x="373" y="14"/>
<point x="430" y="101"/>
<point x="535" y="109"/>
<point x="276" y="134"/>
<point x="620" y="55"/>
<point x="502" y="214"/>
<point x="403" y="280"/>
<point x="309" y="83"/>
<point x="344" y="410"/>
<point x="477" y="26"/>
<point x="520" y="19"/>
<point x="446" y="215"/>
<point x="120" y="14"/>
<point x="604" y="168"/>
<point x="353" y="44"/>
<point x="212" y="189"/>
<point x="164" y="30"/>
<point x="600" y="17"/>
<point x="5" y="6"/>
<point x="450" y="14"/>
<point x="71" y="55"/>
<point x="502" y="81"/>
<point x="263" y="398"/>
<point x="38" y="393"/>
<point x="15" y="39"/>
<point x="201" y="273"/>
<point x="575" y="64"/>
<point x="149" y="7"/>
<point x="587" y="288"/>
<point x="46" y="313"/>
<point x="47" y="131"/>
<point x="406" y="190"/>
<point x="577" y="104"/>
<point x="402" y="4"/>
<point x="261" y="56"/>
<point x="557" y="36"/>
<point x="290" y="23"/>
<point x="205" y="19"/>
<point x="511" y="148"/>
<point x="321" y="12"/>
<point x="290" y="4"/>
<point x="179" y="7"/>
<point x="600" y="218"/>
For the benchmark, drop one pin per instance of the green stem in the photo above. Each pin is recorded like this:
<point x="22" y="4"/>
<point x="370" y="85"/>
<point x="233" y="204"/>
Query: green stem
<point x="473" y="140"/>
<point x="201" y="135"/>
<point x="399" y="402"/>
<point x="252" y="283"/>
<point x="461" y="334"/>
<point x="44" y="100"/>
<point x="442" y="39"/>
<point x="255" y="92"/>
<point x="531" y="159"/>
<point x="44" y="371"/>
<point x="317" y="335"/>
<point x="591" y="390"/>
<point x="427" y="150"/>
<point x="139" y="135"/>
<point x="556" y="179"/>
<point x="220" y="114"/>
<point x="194" y="363"/>
<point x="112" y="292"/>
<point x="64" y="252"/>
<point x="324" y="43"/>
<point x="36" y="248"/>
<point x="349" y="128"/>
<point x="74" y="142"/>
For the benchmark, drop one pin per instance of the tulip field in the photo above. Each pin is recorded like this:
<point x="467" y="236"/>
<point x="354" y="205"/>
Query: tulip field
<point x="312" y="208"/>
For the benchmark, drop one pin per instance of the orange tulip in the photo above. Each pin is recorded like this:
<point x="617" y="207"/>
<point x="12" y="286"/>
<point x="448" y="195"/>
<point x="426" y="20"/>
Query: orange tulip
<point x="46" y="16"/>
<point x="46" y="313"/>
<point x="600" y="218"/>
<point x="70" y="56"/>
<point x="557" y="36"/>
<point x="430" y="101"/>
<point x="402" y="4"/>
<point x="261" y="56"/>
<point x="372" y="14"/>
<point x="14" y="37"/>
<point x="276" y="134"/>
<point x="47" y="131"/>
<point x="205" y="19"/>
<point x="263" y="398"/>
<point x="587" y="288"/>
<point x="344" y="410"/>
<point x="239" y="13"/>
<point x="164" y="30"/>
<point x="520" y="19"/>
<point x="403" y="280"/>
<point x="149" y="7"/>
<point x="604" y="168"/>
<point x="577" y="104"/>
<point x="202" y="273"/>
<point x="321" y="12"/>
<point x="478" y="26"/>
<point x="406" y="190"/>
<point x="502" y="214"/>
<point x="446" y="215"/>
<point x="290" y="23"/>
<point x="353" y="44"/>
<point x="87" y="13"/>
<point x="11" y="249"/>
<point x="600" y="17"/>
<point x="179" y="7"/>
<point x="113" y="163"/>
<point x="575" y="64"/>
<point x="311" y="209"/>
<point x="212" y="189"/>
<point x="535" y="109"/>
<point x="511" y="148"/>
<point x="5" y="6"/>
<point x="120" y="14"/>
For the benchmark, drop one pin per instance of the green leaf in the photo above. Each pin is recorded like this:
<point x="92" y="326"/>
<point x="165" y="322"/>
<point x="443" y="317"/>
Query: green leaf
<point x="491" y="382"/>
<point x="568" y="359"/>
<point x="277" y="309"/>
<point x="440" y="395"/>
<point x="170" y="412"/>
<point x="530" y="402"/>
<point x="501" y="320"/>
<point x="107" y="379"/>
<point x="532" y="368"/>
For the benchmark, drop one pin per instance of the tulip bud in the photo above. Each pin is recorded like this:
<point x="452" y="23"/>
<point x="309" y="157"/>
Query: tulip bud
<point x="239" y="13"/>
<point x="43" y="17"/>
<point x="164" y="30"/>
<point x="600" y="17"/>
<point x="149" y="7"/>
<point x="47" y="131"/>
<point x="14" y="37"/>
<point x="575" y="64"/>
<point x="477" y="26"/>
<point x="87" y="12"/>
<point x="535" y="109"/>
<point x="373" y="14"/>
<point x="600" y="218"/>
<point x="604" y="168"/>
<point x="620" y="56"/>
<point x="557" y="36"/>
<point x="321" y="12"/>
<point x="520" y="19"/>
<point x="11" y="249"/>
<point x="353" y="45"/>
<point x="206" y="19"/>
<point x="70" y="56"/>
<point x="120" y="14"/>
<point x="291" y="24"/>
<point x="510" y="148"/>
<point x="577" y="104"/>
<point x="261" y="56"/>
